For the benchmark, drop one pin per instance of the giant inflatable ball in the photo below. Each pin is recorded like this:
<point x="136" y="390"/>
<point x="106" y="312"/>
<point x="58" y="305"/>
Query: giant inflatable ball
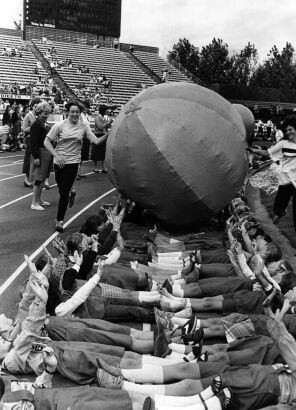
<point x="178" y="150"/>
<point x="248" y="119"/>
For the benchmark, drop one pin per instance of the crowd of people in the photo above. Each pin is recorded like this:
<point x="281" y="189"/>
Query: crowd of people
<point x="218" y="307"/>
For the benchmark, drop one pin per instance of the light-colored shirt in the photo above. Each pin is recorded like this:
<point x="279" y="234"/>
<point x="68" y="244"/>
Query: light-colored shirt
<point x="285" y="152"/>
<point x="286" y="344"/>
<point x="69" y="139"/>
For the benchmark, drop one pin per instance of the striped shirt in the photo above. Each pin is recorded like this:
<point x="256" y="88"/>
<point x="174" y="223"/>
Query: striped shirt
<point x="285" y="152"/>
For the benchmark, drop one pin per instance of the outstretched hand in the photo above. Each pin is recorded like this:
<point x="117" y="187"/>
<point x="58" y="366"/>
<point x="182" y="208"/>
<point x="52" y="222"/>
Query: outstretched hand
<point x="39" y="290"/>
<point x="59" y="245"/>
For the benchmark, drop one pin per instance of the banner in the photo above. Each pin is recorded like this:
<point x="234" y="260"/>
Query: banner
<point x="15" y="96"/>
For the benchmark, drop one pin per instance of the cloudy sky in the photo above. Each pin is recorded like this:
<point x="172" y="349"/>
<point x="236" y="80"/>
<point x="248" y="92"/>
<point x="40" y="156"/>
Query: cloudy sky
<point x="161" y="23"/>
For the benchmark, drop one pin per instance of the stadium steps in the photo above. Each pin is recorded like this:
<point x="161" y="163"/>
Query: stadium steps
<point x="158" y="64"/>
<point x="143" y="67"/>
<point x="113" y="63"/>
<point x="59" y="81"/>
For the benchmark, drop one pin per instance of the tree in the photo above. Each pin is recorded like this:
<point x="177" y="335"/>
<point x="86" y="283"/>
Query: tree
<point x="185" y="54"/>
<point x="243" y="66"/>
<point x="278" y="70"/>
<point x="18" y="25"/>
<point x="214" y="62"/>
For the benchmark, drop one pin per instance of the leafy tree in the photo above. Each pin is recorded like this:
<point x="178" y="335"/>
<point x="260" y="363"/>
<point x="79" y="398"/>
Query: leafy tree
<point x="243" y="66"/>
<point x="278" y="70"/>
<point x="186" y="54"/>
<point x="214" y="62"/>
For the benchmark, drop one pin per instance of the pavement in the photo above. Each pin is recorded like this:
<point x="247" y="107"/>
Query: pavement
<point x="23" y="231"/>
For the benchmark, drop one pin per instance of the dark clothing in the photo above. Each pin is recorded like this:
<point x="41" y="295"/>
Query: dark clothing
<point x="212" y="270"/>
<point x="253" y="386"/>
<point x="38" y="132"/>
<point x="89" y="330"/>
<point x="283" y="196"/>
<point x="220" y="286"/>
<point x="65" y="178"/>
<point x="244" y="301"/>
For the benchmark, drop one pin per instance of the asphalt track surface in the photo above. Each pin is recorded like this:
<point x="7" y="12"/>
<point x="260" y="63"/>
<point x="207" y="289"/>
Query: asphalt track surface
<point x="24" y="231"/>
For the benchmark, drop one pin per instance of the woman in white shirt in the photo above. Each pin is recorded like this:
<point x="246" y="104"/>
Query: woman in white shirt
<point x="67" y="136"/>
<point x="284" y="152"/>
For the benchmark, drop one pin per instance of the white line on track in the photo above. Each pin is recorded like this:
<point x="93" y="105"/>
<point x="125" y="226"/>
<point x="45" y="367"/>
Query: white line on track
<point x="14" y="176"/>
<point x="19" y="270"/>
<point x="12" y="156"/>
<point x="25" y="196"/>
<point x="10" y="165"/>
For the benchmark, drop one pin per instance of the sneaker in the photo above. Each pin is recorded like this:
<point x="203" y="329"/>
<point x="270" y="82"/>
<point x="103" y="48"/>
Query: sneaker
<point x="37" y="207"/>
<point x="115" y="370"/>
<point x="59" y="226"/>
<point x="72" y="198"/>
<point x="108" y="381"/>
<point x="44" y="203"/>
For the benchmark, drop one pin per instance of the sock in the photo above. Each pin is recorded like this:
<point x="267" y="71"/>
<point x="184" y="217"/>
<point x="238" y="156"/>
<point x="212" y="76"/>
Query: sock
<point x="147" y="374"/>
<point x="188" y="304"/>
<point x="179" y="282"/>
<point x="179" y="321"/>
<point x="158" y="361"/>
<point x="177" y="348"/>
<point x="176" y="277"/>
<point x="146" y="297"/>
<point x="178" y="291"/>
<point x="198" y="324"/>
<point x="44" y="380"/>
<point x="144" y="388"/>
<point x="175" y="356"/>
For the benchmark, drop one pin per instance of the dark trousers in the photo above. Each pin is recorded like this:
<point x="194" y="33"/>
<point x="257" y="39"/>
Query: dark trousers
<point x="65" y="178"/>
<point x="283" y="196"/>
<point x="121" y="310"/>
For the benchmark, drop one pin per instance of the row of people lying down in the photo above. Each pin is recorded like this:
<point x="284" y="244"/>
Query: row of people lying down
<point x="88" y="349"/>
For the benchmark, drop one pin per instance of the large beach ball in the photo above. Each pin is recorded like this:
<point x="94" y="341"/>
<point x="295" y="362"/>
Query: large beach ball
<point x="248" y="119"/>
<point x="178" y="150"/>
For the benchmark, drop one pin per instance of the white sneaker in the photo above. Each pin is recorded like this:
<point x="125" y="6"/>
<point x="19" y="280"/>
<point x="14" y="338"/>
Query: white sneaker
<point x="37" y="207"/>
<point x="44" y="203"/>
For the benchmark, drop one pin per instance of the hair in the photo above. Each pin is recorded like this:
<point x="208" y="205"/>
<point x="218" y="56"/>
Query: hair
<point x="54" y="294"/>
<point x="42" y="107"/>
<point x="102" y="109"/>
<point x="274" y="252"/>
<point x="288" y="282"/>
<point x="289" y="120"/>
<point x="34" y="101"/>
<point x="72" y="103"/>
<point x="91" y="224"/>
<point x="41" y="262"/>
<point x="2" y="388"/>
<point x="73" y="241"/>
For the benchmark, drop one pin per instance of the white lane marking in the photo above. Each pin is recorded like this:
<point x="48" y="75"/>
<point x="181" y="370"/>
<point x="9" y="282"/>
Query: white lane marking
<point x="26" y="196"/>
<point x="19" y="270"/>
<point x="10" y="165"/>
<point x="14" y="176"/>
<point x="12" y="156"/>
<point x="18" y="162"/>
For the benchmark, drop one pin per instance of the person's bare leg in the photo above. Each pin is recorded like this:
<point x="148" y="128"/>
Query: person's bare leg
<point x="142" y="346"/>
<point x="212" y="304"/>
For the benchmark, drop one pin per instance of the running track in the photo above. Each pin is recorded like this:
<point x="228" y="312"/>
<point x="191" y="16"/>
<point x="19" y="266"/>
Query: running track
<point x="23" y="231"/>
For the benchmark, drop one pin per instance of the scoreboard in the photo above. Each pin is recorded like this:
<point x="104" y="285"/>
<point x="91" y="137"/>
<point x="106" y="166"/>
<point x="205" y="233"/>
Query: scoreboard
<point x="100" y="17"/>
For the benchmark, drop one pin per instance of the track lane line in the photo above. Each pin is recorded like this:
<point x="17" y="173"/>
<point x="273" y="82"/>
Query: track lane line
<point x="19" y="270"/>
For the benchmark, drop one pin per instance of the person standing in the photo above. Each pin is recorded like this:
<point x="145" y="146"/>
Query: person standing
<point x="28" y="121"/>
<point x="41" y="157"/>
<point x="284" y="152"/>
<point x="67" y="135"/>
<point x="98" y="153"/>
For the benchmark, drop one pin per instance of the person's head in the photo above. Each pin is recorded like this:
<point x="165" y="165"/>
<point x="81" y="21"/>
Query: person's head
<point x="33" y="104"/>
<point x="91" y="225"/>
<point x="74" y="109"/>
<point x="6" y="326"/>
<point x="102" y="109"/>
<point x="288" y="282"/>
<point x="289" y="127"/>
<point x="42" y="111"/>
<point x="75" y="242"/>
<point x="278" y="268"/>
<point x="270" y="251"/>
